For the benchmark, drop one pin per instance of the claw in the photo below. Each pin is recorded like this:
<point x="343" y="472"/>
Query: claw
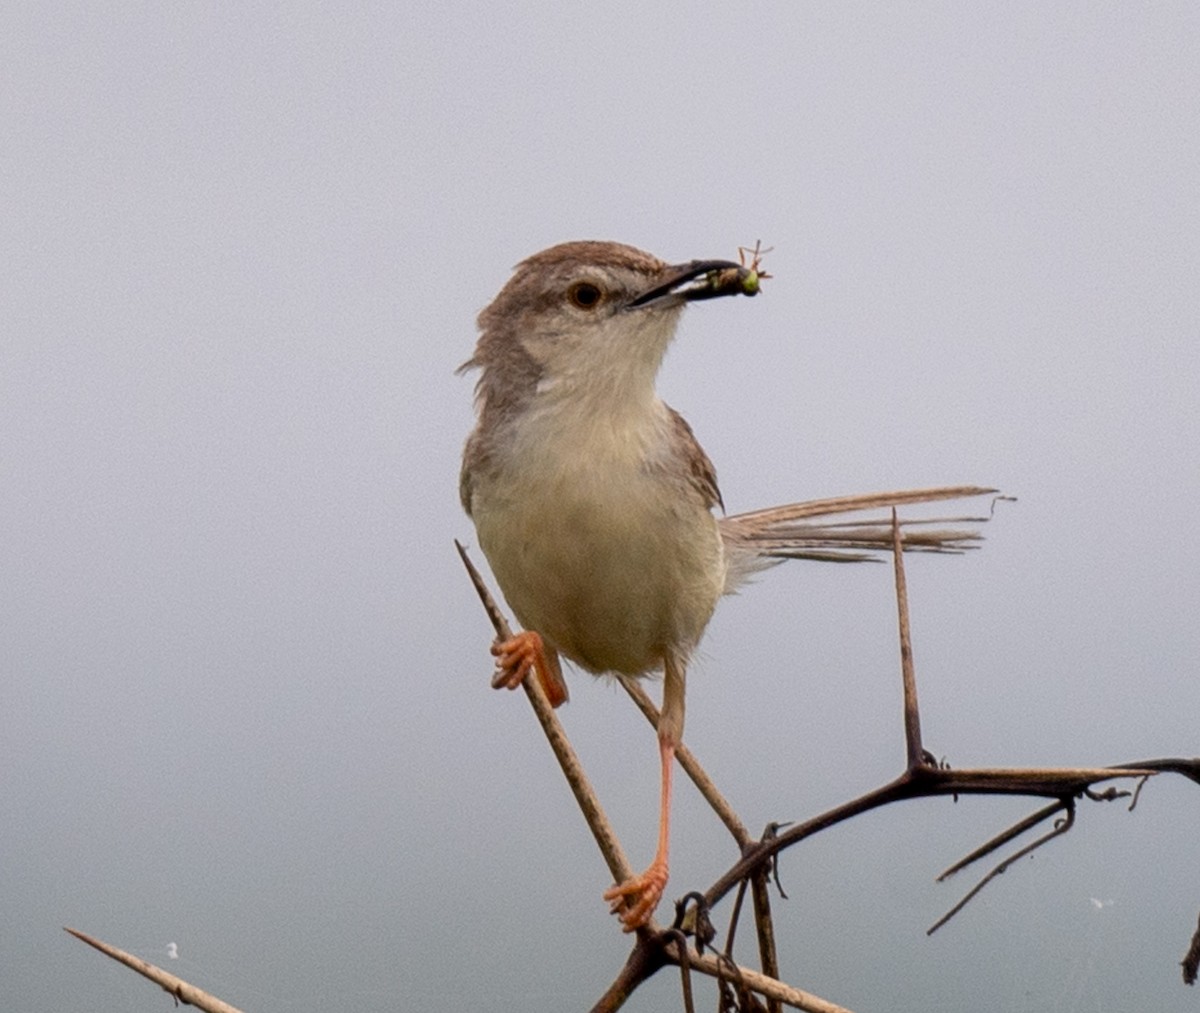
<point x="519" y="654"/>
<point x="634" y="901"/>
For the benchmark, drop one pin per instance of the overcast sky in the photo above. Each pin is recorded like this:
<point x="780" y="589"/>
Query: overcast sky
<point x="243" y="680"/>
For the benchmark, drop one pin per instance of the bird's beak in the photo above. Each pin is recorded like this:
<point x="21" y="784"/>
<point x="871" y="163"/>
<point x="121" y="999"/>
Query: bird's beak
<point x="698" y="279"/>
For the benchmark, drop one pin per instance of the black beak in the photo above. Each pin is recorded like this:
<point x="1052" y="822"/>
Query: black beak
<point x="698" y="279"/>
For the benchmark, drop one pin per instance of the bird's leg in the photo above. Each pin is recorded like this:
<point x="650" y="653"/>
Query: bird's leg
<point x="523" y="651"/>
<point x="634" y="900"/>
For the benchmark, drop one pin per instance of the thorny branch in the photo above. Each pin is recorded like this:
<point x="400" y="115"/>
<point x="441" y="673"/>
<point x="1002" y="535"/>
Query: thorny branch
<point x="922" y="778"/>
<point x="738" y="986"/>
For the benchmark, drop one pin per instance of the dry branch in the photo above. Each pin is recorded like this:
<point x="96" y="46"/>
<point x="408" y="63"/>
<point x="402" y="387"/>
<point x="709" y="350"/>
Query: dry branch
<point x="179" y="989"/>
<point x="921" y="778"/>
<point x="581" y="787"/>
<point x="1191" y="960"/>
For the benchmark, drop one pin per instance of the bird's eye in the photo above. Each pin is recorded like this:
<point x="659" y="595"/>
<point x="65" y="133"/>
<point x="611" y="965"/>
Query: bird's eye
<point x="585" y="295"/>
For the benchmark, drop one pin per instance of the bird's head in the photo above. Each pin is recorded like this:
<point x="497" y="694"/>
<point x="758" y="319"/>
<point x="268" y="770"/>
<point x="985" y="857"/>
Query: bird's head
<point x="590" y="318"/>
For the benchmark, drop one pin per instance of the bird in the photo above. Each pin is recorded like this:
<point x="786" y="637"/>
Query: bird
<point x="594" y="503"/>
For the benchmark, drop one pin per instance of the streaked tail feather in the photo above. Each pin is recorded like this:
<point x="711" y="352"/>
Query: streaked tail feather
<point x="819" y="530"/>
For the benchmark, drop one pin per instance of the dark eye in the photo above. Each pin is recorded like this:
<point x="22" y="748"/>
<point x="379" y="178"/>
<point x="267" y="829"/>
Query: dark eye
<point x="585" y="295"/>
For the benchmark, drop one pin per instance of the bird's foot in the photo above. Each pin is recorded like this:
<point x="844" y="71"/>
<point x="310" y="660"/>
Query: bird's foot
<point x="634" y="900"/>
<point x="520" y="653"/>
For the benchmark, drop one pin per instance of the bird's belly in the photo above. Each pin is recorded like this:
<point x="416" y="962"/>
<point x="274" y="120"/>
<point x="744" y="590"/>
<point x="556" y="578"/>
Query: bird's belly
<point x="613" y="574"/>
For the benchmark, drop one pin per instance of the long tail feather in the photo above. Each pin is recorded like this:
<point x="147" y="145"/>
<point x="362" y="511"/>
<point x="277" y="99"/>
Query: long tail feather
<point x="819" y="530"/>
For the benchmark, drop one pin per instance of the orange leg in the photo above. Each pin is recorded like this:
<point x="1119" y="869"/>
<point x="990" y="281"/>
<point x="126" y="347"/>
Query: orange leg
<point x="524" y="651"/>
<point x="634" y="900"/>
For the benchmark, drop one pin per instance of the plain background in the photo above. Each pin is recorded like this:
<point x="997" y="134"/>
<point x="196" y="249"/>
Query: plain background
<point x="243" y="680"/>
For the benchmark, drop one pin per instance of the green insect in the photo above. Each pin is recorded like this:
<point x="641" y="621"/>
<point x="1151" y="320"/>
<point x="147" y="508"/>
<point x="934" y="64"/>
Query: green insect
<point x="753" y="275"/>
<point x="746" y="279"/>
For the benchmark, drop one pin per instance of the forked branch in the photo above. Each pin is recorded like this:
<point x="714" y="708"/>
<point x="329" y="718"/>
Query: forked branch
<point x="921" y="778"/>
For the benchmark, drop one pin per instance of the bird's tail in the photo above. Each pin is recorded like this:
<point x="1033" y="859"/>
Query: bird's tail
<point x="838" y="530"/>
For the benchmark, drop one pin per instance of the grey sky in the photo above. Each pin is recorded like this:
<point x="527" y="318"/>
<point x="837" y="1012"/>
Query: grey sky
<point x="243" y="681"/>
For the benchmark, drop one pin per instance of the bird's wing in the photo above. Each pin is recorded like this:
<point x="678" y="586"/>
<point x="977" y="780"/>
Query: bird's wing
<point x="839" y="530"/>
<point x="701" y="473"/>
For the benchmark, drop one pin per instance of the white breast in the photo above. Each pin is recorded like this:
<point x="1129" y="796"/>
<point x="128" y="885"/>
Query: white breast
<point x="598" y="543"/>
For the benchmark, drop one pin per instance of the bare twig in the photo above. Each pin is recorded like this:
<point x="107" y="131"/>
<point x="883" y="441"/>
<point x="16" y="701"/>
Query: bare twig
<point x="176" y="987"/>
<point x="735" y="916"/>
<point x="1171" y="765"/>
<point x="1191" y="961"/>
<point x="1060" y="828"/>
<point x="581" y="787"/>
<point x="691" y="766"/>
<point x="651" y="952"/>
<point x="685" y="969"/>
<point x="764" y="928"/>
<point x="716" y="966"/>
<point x="914" y="752"/>
<point x="1002" y="839"/>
